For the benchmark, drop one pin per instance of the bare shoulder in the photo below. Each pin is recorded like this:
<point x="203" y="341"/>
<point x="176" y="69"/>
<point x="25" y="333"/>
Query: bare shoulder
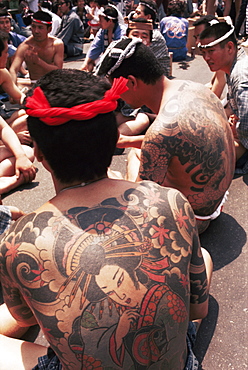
<point x="189" y="108"/>
<point x="55" y="40"/>
<point x="106" y="282"/>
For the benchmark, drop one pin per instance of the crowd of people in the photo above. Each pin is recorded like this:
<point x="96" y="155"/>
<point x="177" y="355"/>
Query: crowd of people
<point x="112" y="269"/>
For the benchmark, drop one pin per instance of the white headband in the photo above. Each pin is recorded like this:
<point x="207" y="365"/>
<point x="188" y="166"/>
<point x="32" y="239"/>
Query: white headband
<point x="224" y="37"/>
<point x="148" y="6"/>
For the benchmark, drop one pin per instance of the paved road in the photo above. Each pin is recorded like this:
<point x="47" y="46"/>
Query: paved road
<point x="222" y="338"/>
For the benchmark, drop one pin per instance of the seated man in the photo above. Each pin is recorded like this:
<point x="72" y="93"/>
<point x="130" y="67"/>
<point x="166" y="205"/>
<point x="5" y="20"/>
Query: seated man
<point x="15" y="118"/>
<point x="14" y="39"/>
<point x="219" y="49"/>
<point x="110" y="30"/>
<point x="41" y="52"/>
<point x="111" y="270"/>
<point x="71" y="30"/>
<point x="218" y="81"/>
<point x="147" y="9"/>
<point x="174" y="28"/>
<point x="132" y="123"/>
<point x="190" y="145"/>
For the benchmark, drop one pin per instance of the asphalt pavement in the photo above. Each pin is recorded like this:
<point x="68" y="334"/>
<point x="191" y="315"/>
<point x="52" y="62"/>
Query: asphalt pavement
<point x="222" y="338"/>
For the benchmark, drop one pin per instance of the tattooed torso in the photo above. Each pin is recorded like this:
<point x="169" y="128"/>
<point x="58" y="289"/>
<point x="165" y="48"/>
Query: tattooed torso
<point x="190" y="147"/>
<point x="110" y="283"/>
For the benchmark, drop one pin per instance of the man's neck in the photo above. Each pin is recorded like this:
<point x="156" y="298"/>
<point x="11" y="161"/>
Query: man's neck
<point x="228" y="67"/>
<point x="155" y="94"/>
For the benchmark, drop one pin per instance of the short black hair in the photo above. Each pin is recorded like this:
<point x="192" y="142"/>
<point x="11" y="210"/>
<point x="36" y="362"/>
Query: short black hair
<point x="176" y="7"/>
<point x="150" y="7"/>
<point x="110" y="11"/>
<point x="3" y="39"/>
<point x="42" y="16"/>
<point x="206" y="19"/>
<point x="218" y="30"/>
<point x="142" y="64"/>
<point x="76" y="150"/>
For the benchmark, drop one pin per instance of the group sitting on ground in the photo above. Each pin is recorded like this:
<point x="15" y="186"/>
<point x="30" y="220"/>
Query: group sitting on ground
<point x="104" y="284"/>
<point x="93" y="250"/>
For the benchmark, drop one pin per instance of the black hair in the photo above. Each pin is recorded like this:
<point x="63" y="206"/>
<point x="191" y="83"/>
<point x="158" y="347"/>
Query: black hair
<point x="206" y="19"/>
<point x="150" y="7"/>
<point x="76" y="150"/>
<point x="4" y="12"/>
<point x="139" y="20"/>
<point x="42" y="16"/>
<point x="142" y="64"/>
<point x="218" y="30"/>
<point x="176" y="7"/>
<point x="3" y="39"/>
<point x="46" y="4"/>
<point x="111" y="12"/>
<point x="68" y="2"/>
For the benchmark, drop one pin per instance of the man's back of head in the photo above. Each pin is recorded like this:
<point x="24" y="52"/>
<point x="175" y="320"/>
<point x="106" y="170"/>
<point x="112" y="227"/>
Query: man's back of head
<point x="77" y="150"/>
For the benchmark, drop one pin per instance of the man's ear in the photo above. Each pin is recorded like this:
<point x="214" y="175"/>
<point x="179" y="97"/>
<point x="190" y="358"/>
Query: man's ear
<point x="231" y="47"/>
<point x="149" y="16"/>
<point x="38" y="153"/>
<point x="132" y="82"/>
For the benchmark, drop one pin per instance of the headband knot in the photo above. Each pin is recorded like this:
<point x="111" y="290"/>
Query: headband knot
<point x="38" y="106"/>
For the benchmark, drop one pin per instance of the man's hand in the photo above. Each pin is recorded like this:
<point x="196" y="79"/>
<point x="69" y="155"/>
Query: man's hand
<point x="31" y="55"/>
<point x="233" y="119"/>
<point x="24" y="137"/>
<point x="25" y="167"/>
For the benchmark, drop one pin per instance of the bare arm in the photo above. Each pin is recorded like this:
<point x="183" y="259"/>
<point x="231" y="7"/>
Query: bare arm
<point x="218" y="83"/>
<point x="88" y="65"/>
<point x="23" y="164"/>
<point x="10" y="87"/>
<point x="17" y="62"/>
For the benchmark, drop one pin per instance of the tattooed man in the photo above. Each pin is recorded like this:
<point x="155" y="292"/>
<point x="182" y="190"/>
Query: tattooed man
<point x="190" y="145"/>
<point x="112" y="271"/>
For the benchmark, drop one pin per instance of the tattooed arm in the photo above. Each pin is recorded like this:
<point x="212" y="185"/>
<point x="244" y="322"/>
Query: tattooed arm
<point x="155" y="154"/>
<point x="199" y="283"/>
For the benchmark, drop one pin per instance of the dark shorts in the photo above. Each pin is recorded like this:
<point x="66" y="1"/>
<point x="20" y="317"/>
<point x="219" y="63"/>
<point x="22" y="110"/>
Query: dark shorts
<point x="48" y="362"/>
<point x="51" y="361"/>
<point x="192" y="362"/>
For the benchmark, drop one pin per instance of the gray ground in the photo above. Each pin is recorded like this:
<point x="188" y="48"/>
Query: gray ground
<point x="222" y="338"/>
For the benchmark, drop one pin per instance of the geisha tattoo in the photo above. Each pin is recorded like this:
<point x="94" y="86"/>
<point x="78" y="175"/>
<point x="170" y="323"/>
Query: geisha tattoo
<point x="109" y="285"/>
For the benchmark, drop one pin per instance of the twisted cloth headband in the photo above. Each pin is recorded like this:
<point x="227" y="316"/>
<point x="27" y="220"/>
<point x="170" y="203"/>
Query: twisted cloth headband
<point x="119" y="54"/>
<point x="38" y="106"/>
<point x="224" y="37"/>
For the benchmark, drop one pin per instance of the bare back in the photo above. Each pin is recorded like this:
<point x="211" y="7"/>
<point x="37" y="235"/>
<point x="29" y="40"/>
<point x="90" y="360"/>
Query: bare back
<point x="107" y="277"/>
<point x="190" y="146"/>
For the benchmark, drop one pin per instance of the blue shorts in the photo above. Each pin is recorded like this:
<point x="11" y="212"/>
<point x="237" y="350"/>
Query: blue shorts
<point x="51" y="361"/>
<point x="192" y="362"/>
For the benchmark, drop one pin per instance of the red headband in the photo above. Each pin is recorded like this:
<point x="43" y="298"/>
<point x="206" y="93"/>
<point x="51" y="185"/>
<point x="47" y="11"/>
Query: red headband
<point x="43" y="22"/>
<point x="38" y="106"/>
